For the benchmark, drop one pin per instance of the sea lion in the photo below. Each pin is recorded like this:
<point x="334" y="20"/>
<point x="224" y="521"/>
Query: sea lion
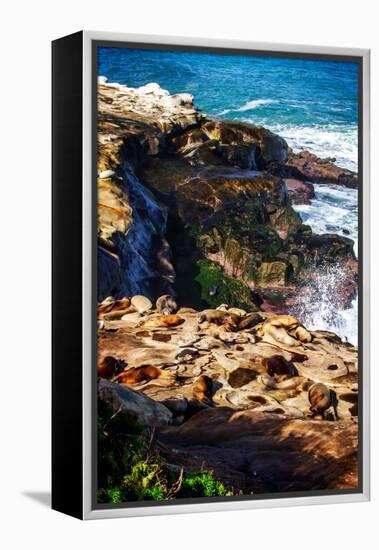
<point x="203" y="389"/>
<point x="287" y="321"/>
<point x="144" y="373"/>
<point x="278" y="365"/>
<point x="220" y="317"/>
<point x="237" y="311"/>
<point x="110" y="366"/>
<point x="163" y="321"/>
<point x="279" y="334"/>
<point x="320" y="398"/>
<point x="278" y="328"/>
<point x="115" y="305"/>
<point x="166" y="305"/>
<point x="250" y="321"/>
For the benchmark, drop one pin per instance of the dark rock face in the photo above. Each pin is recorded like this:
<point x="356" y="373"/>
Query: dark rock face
<point x="239" y="219"/>
<point x="299" y="192"/>
<point x="238" y="144"/>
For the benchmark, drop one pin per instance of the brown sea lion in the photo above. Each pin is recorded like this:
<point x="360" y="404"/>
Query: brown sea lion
<point x="286" y="330"/>
<point x="250" y="321"/>
<point x="110" y="366"/>
<point x="278" y="365"/>
<point x="166" y="305"/>
<point x="144" y="373"/>
<point x="116" y="305"/>
<point x="320" y="398"/>
<point x="220" y="317"/>
<point x="203" y="389"/>
<point x="163" y="321"/>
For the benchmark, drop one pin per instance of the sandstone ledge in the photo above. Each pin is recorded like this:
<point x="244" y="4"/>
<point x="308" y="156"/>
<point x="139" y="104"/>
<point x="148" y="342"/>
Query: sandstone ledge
<point x="256" y="430"/>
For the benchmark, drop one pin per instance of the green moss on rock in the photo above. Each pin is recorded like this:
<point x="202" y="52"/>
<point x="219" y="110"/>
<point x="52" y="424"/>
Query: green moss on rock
<point x="227" y="289"/>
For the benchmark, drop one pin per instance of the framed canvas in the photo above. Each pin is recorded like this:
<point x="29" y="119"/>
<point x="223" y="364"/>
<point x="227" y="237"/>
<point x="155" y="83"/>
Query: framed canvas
<point x="210" y="275"/>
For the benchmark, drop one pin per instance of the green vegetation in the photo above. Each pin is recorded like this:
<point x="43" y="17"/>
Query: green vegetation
<point x="229" y="290"/>
<point x="203" y="484"/>
<point x="129" y="470"/>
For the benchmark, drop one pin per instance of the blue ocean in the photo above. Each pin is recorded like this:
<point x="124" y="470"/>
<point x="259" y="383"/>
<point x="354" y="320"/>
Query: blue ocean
<point x="312" y="104"/>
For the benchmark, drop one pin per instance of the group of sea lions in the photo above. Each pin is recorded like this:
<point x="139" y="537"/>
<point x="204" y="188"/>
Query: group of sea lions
<point x="284" y="332"/>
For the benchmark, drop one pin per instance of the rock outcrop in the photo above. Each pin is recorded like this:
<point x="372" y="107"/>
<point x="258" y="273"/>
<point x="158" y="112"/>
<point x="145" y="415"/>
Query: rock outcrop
<point x="142" y="408"/>
<point x="195" y="206"/>
<point x="306" y="166"/>
<point x="134" y="123"/>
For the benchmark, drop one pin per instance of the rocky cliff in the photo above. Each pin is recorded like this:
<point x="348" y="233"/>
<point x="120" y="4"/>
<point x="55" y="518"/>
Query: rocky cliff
<point x="197" y="207"/>
<point x="200" y="210"/>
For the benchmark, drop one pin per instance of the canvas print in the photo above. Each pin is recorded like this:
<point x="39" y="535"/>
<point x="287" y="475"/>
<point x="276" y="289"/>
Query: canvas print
<point x="227" y="275"/>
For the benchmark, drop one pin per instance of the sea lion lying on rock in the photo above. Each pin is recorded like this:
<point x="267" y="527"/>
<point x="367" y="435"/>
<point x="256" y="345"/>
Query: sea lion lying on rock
<point x="144" y="373"/>
<point x="162" y="321"/>
<point x="278" y="365"/>
<point x="110" y="366"/>
<point x="113" y="306"/>
<point x="221" y="318"/>
<point x="250" y="321"/>
<point x="203" y="389"/>
<point x="286" y="330"/>
<point x="166" y="305"/>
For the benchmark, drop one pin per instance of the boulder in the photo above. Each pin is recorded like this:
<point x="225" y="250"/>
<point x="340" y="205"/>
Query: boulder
<point x="140" y="406"/>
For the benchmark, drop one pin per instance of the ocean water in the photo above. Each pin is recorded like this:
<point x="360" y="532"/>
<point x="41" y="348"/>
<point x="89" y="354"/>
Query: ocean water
<point x="312" y="104"/>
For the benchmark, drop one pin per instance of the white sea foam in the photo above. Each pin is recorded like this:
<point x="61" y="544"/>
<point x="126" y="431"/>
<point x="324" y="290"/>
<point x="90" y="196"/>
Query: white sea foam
<point x="255" y="103"/>
<point x="248" y="106"/>
<point x="334" y="210"/>
<point x="328" y="140"/>
<point x="317" y="308"/>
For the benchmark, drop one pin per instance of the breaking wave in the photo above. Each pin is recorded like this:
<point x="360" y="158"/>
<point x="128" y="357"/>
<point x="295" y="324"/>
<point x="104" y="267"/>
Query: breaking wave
<point x="324" y="140"/>
<point x="333" y="210"/>
<point x="317" y="307"/>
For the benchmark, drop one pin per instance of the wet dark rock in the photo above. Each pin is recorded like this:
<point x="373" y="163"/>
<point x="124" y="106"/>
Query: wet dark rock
<point x="306" y="166"/>
<point x="299" y="192"/>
